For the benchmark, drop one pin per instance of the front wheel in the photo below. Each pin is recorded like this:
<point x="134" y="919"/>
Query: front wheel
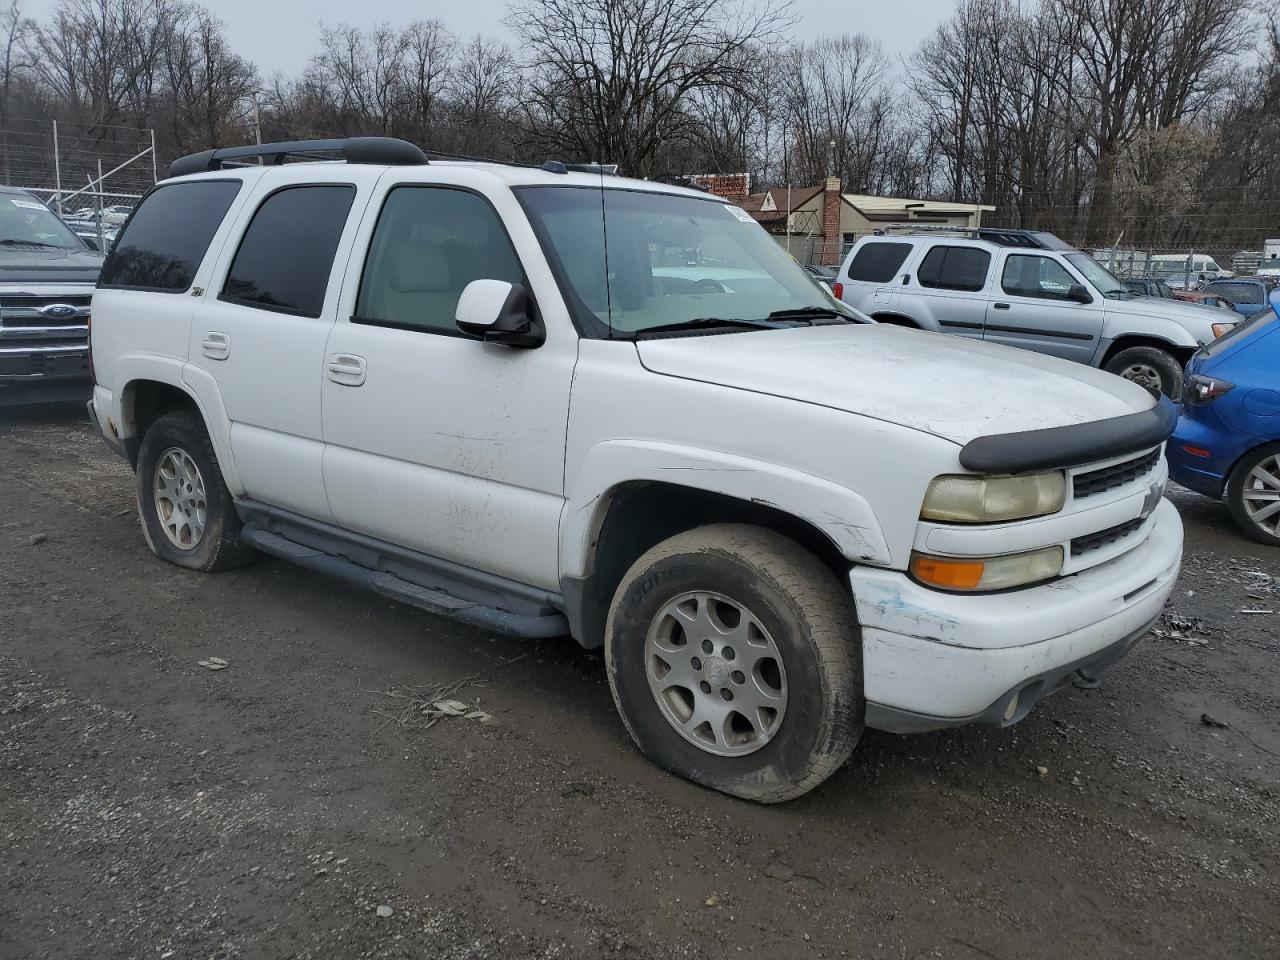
<point x="1253" y="494"/>
<point x="1157" y="370"/>
<point x="734" y="659"/>
<point x="187" y="513"/>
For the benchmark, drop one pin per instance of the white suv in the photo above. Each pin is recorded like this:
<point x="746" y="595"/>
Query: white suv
<point x="1028" y="289"/>
<point x="551" y="401"/>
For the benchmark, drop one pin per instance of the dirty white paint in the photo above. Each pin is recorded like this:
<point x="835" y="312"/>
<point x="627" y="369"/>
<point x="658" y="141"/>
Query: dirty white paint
<point x="946" y="386"/>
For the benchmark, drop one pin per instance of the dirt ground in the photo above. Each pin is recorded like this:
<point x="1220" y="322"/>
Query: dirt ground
<point x="153" y="808"/>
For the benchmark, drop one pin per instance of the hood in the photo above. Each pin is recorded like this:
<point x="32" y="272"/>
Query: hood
<point x="1195" y="318"/>
<point x="944" y="385"/>
<point x="49" y="266"/>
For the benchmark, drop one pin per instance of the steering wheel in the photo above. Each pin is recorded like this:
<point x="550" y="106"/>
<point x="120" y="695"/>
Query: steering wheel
<point x="706" y="285"/>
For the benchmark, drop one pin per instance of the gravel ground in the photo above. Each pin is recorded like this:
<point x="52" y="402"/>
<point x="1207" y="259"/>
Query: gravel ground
<point x="151" y="807"/>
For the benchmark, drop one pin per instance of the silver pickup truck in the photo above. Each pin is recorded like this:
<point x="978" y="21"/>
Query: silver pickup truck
<point x="47" y="275"/>
<point x="1026" y="288"/>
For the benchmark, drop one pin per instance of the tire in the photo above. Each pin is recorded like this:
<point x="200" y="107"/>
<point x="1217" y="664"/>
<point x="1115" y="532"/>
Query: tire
<point x="201" y="533"/>
<point x="1157" y="370"/>
<point x="804" y="653"/>
<point x="1265" y="460"/>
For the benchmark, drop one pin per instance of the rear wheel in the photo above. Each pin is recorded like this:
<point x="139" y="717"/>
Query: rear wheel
<point x="1157" y="370"/>
<point x="733" y="657"/>
<point x="187" y="513"/>
<point x="1253" y="494"/>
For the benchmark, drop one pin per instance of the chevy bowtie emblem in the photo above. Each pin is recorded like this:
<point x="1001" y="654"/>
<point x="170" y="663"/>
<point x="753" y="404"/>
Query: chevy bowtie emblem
<point x="1151" y="500"/>
<point x="57" y="310"/>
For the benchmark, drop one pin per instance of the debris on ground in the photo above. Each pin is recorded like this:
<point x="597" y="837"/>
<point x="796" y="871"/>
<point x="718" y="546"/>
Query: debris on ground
<point x="1211" y="721"/>
<point x="384" y="911"/>
<point x="37" y="538"/>
<point x="213" y="663"/>
<point x="1180" y="629"/>
<point x="1043" y="771"/>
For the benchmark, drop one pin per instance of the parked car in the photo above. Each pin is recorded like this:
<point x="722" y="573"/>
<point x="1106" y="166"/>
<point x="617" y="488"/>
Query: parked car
<point x="1149" y="287"/>
<point x="1247" y="295"/>
<point x="1205" y="298"/>
<point x="1186" y="271"/>
<point x="46" y="279"/>
<point x="423" y="378"/>
<point x="824" y="275"/>
<point x="1025" y="289"/>
<point x="1227" y="442"/>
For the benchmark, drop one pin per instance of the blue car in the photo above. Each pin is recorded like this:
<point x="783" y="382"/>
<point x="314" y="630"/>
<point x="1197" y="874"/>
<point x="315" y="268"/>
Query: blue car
<point x="1247" y="295"/>
<point x="1227" y="442"/>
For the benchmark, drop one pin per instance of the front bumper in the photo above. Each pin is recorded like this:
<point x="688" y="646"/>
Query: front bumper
<point x="933" y="659"/>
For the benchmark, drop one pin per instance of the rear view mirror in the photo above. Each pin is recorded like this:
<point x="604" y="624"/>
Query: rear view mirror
<point x="498" y="312"/>
<point x="1079" y="293"/>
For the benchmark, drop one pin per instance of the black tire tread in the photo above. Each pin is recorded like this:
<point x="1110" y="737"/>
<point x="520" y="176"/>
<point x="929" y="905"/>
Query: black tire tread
<point x="828" y="609"/>
<point x="1161" y="359"/>
<point x="1235" y="485"/>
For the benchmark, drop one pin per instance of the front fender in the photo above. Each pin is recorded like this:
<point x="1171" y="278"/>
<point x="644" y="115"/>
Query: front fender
<point x="841" y="514"/>
<point x="1173" y="332"/>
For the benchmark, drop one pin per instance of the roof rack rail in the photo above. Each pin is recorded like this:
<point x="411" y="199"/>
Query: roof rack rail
<point x="378" y="150"/>
<point x="557" y="166"/>
<point x="1000" y="236"/>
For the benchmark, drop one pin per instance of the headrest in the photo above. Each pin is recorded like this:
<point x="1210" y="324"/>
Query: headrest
<point x="417" y="266"/>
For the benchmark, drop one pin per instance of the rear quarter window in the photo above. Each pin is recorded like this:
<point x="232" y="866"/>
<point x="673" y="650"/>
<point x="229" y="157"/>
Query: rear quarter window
<point x="168" y="235"/>
<point x="878" y="262"/>
<point x="954" y="268"/>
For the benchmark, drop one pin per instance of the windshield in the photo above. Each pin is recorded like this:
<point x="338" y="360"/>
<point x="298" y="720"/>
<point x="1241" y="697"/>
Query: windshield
<point x="25" y="222"/>
<point x="1097" y="274"/>
<point x="671" y="261"/>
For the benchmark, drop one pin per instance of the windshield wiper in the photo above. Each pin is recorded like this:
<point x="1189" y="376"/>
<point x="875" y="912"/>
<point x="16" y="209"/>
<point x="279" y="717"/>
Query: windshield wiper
<point x="806" y="313"/>
<point x="708" y="323"/>
<point x="11" y="242"/>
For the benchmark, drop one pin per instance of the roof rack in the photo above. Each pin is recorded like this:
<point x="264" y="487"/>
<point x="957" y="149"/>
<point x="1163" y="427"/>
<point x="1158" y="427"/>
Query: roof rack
<point x="377" y="150"/>
<point x="604" y="169"/>
<point x="1000" y="236"/>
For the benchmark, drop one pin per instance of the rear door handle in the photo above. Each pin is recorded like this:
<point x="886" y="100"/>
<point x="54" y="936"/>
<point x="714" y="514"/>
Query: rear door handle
<point x="215" y="345"/>
<point x="1001" y="306"/>
<point x="346" y="369"/>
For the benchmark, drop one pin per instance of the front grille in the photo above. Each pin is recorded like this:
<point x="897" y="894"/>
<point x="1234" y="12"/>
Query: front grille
<point x="29" y="310"/>
<point x="1104" y="538"/>
<point x="1116" y="475"/>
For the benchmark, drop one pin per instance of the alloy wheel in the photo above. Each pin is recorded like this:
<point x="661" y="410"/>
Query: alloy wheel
<point x="716" y="673"/>
<point x="179" y="494"/>
<point x="1261" y="495"/>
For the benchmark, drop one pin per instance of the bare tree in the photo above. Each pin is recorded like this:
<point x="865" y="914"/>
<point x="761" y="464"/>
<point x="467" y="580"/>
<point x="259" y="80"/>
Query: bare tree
<point x="611" y="79"/>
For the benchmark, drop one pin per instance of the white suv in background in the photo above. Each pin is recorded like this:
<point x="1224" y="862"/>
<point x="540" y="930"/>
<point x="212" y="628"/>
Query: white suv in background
<point x="440" y="381"/>
<point x="1028" y="289"/>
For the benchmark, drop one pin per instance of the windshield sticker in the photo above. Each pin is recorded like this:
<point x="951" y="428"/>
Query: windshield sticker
<point x="740" y="213"/>
<point x="27" y="204"/>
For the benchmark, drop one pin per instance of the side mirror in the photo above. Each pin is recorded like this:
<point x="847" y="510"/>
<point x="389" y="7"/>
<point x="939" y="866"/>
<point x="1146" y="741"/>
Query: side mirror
<point x="1079" y="293"/>
<point x="498" y="312"/>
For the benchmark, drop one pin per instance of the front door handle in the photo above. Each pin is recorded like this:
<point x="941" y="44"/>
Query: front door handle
<point x="346" y="369"/>
<point x="1001" y="306"/>
<point x="215" y="345"/>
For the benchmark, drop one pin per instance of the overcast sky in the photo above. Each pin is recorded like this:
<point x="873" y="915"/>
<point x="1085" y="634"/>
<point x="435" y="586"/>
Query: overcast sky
<point x="279" y="35"/>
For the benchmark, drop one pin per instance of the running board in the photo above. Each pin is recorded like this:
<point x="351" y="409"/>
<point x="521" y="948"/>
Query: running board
<point x="439" y="602"/>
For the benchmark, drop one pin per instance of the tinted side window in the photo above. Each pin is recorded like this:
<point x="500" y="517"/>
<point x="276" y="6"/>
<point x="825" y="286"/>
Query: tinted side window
<point x="878" y="262"/>
<point x="287" y="252"/>
<point x="429" y="243"/>
<point x="1040" y="277"/>
<point x="168" y="236"/>
<point x="954" y="268"/>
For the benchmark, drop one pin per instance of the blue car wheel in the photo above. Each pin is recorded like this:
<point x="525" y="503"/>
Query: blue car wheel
<point x="1253" y="494"/>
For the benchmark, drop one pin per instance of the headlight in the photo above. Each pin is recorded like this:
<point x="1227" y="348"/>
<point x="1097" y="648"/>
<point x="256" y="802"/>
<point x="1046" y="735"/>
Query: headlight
<point x="987" y="573"/>
<point x="1220" y="328"/>
<point x="970" y="499"/>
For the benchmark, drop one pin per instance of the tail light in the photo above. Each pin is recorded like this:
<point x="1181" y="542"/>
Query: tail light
<point x="1200" y="389"/>
<point x="837" y="289"/>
